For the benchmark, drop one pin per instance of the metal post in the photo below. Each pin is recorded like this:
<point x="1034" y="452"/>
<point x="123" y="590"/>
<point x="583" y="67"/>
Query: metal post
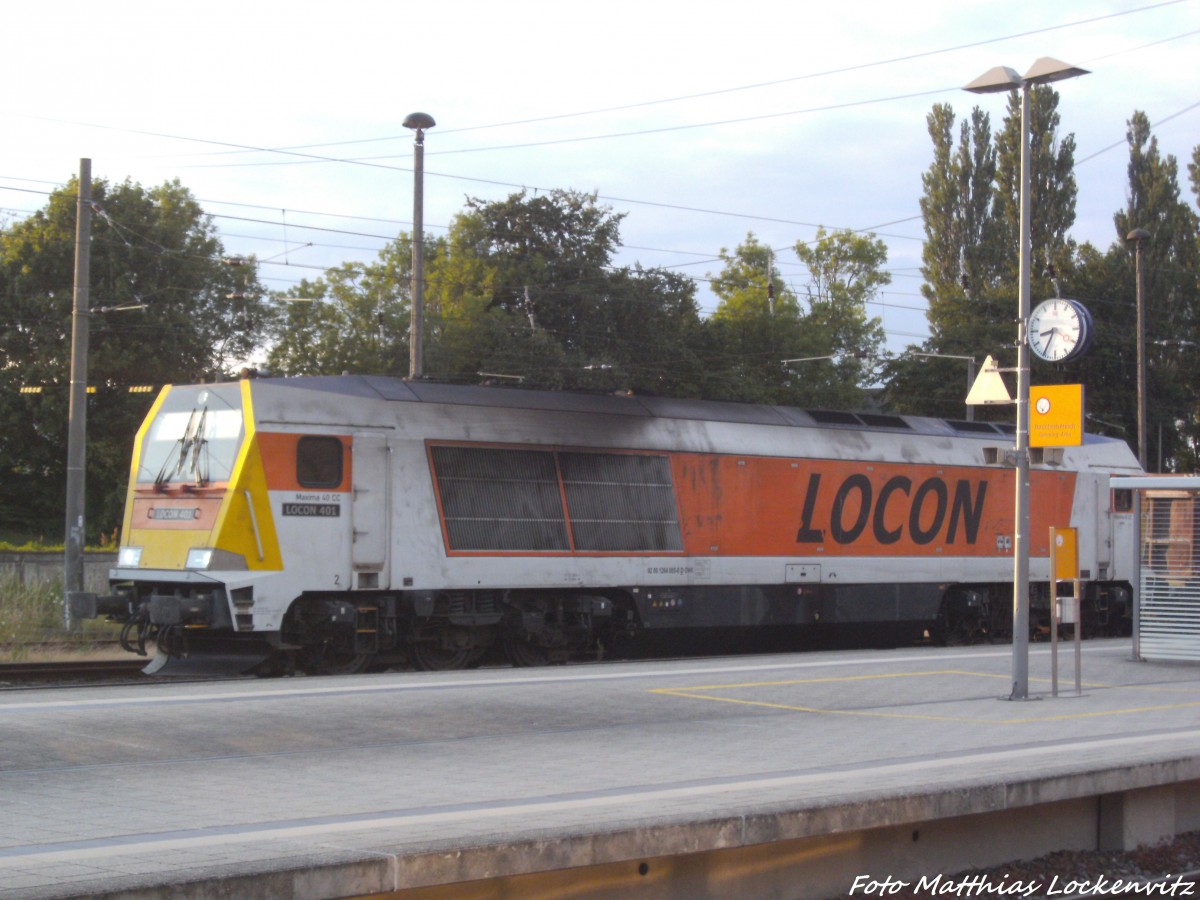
<point x="1002" y="78"/>
<point x="1055" y="618"/>
<point x="418" y="122"/>
<point x="970" y="384"/>
<point x="1138" y="237"/>
<point x="416" y="357"/>
<point x="77" y="416"/>
<point x="1141" y="361"/>
<point x="1020" y="662"/>
<point x="1138" y="506"/>
<point x="1078" y="599"/>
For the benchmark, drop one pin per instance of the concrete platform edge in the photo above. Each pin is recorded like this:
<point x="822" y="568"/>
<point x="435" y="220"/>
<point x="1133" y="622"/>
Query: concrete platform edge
<point x="383" y="871"/>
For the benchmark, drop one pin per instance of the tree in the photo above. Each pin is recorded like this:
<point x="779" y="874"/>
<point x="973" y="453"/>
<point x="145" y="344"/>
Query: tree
<point x="1171" y="260"/>
<point x="846" y="271"/>
<point x="749" y="284"/>
<point x="961" y="253"/>
<point x="526" y="289"/>
<point x="520" y="289"/>
<point x="756" y="325"/>
<point x="1194" y="172"/>
<point x="165" y="308"/>
<point x="1052" y="184"/>
<point x="760" y="322"/>
<point x="355" y="318"/>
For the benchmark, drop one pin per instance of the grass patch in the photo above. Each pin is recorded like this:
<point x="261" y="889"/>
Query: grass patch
<point x="29" y="547"/>
<point x="43" y="547"/>
<point x="32" y="614"/>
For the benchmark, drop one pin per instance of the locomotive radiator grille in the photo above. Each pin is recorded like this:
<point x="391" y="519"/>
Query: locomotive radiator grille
<point x="620" y="501"/>
<point x="495" y="499"/>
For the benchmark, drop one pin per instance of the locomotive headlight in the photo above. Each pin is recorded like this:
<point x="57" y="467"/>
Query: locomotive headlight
<point x="199" y="558"/>
<point x="129" y="557"/>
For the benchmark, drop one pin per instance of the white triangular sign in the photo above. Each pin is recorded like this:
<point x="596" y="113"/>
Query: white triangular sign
<point x="989" y="388"/>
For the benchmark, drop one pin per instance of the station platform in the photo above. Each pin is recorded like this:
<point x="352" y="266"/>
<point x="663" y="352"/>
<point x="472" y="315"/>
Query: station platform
<point x="767" y="776"/>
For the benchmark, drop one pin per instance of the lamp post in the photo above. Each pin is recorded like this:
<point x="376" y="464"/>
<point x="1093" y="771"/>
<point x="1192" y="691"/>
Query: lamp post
<point x="1002" y="78"/>
<point x="970" y="360"/>
<point x="418" y="122"/>
<point x="1137" y="237"/>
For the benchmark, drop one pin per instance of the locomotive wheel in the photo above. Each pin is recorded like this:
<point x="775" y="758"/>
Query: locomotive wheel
<point x="430" y="658"/>
<point x="475" y="660"/>
<point x="331" y="662"/>
<point x="348" y="663"/>
<point x="957" y="634"/>
<point x="523" y="654"/>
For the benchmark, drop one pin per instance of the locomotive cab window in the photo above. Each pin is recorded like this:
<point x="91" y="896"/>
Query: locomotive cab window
<point x="319" y="462"/>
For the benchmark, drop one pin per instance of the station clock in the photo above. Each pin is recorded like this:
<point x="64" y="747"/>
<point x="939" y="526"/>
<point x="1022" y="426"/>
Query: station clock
<point x="1060" y="330"/>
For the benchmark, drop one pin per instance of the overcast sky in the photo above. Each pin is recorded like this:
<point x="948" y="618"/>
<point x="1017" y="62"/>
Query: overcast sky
<point x="702" y="121"/>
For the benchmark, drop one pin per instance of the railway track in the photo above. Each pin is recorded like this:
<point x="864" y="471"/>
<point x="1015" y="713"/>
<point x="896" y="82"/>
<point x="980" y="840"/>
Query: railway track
<point x="69" y="672"/>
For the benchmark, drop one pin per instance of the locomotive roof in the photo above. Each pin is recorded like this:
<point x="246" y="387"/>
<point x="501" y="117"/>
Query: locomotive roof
<point x="378" y="387"/>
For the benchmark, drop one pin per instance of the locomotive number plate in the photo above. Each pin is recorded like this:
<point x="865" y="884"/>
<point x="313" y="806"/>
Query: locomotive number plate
<point x="321" y="510"/>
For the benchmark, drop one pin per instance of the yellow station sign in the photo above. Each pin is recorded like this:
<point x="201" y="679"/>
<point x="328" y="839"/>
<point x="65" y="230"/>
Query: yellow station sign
<point x="1064" y="553"/>
<point x="1056" y="415"/>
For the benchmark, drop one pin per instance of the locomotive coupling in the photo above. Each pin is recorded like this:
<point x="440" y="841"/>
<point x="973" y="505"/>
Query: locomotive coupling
<point x="88" y="605"/>
<point x="196" y="609"/>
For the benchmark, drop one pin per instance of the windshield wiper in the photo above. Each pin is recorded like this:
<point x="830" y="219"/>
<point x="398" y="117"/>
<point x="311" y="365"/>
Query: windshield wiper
<point x="191" y="443"/>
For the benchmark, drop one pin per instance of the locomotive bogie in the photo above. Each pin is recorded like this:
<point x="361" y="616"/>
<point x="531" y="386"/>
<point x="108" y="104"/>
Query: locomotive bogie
<point x="352" y="522"/>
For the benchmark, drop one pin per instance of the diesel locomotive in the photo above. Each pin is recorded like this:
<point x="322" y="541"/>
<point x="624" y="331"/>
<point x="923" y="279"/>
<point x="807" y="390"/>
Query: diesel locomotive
<point x="338" y="523"/>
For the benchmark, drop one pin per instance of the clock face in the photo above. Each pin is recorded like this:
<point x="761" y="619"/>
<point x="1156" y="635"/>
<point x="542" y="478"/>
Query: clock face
<point x="1060" y="330"/>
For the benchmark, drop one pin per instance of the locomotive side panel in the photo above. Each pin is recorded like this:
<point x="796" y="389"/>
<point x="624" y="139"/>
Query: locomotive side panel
<point x="308" y="478"/>
<point x="725" y="514"/>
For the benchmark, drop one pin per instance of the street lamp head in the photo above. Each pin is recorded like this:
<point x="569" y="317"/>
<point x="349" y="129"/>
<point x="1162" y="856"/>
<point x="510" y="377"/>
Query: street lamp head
<point x="1138" y="235"/>
<point x="419" y="121"/>
<point x="994" y="80"/>
<point x="1048" y="69"/>
<point x="1002" y="78"/>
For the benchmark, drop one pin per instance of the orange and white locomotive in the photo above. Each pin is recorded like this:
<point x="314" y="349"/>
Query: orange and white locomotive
<point x="336" y="523"/>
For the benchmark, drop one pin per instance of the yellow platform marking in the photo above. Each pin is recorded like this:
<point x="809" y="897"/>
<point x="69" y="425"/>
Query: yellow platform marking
<point x="704" y="692"/>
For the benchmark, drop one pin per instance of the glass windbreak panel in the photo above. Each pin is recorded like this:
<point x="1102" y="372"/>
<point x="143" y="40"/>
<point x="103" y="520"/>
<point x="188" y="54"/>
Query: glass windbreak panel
<point x="495" y="499"/>
<point x="1171" y="538"/>
<point x="194" y="438"/>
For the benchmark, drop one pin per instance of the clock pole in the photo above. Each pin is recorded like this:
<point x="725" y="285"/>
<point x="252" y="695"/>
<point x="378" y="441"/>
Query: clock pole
<point x="1002" y="78"/>
<point x="1020" y="690"/>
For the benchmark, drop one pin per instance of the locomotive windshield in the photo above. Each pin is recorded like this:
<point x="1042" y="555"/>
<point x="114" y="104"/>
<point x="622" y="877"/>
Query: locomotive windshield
<point x="194" y="438"/>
